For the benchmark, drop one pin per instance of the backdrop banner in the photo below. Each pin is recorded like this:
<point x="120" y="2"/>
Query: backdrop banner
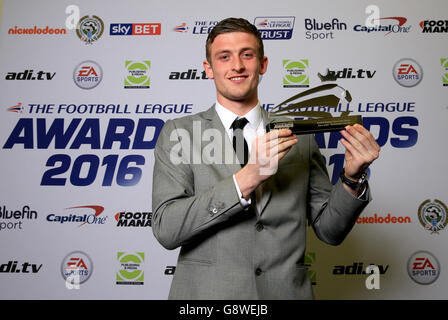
<point x="86" y="87"/>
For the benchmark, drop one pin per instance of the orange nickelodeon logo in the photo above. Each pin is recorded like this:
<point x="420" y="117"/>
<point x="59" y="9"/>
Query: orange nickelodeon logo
<point x="376" y="219"/>
<point x="36" y="30"/>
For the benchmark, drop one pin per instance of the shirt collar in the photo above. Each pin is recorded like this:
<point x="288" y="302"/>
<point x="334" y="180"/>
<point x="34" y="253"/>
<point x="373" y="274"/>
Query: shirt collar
<point x="227" y="117"/>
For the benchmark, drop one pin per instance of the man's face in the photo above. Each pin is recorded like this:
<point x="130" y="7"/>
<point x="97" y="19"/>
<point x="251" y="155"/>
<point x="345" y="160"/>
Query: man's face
<point x="235" y="67"/>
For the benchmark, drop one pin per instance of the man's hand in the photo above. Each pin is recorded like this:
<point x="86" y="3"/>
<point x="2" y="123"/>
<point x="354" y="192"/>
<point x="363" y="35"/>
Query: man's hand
<point x="361" y="150"/>
<point x="266" y="152"/>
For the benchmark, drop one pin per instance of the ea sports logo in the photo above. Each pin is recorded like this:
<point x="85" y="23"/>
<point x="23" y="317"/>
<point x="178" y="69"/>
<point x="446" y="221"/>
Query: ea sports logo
<point x="423" y="267"/>
<point x="407" y="73"/>
<point x="88" y="74"/>
<point x="76" y="268"/>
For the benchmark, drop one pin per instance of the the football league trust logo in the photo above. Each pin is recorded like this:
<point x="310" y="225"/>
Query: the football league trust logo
<point x="130" y="268"/>
<point x="90" y="29"/>
<point x="433" y="215"/>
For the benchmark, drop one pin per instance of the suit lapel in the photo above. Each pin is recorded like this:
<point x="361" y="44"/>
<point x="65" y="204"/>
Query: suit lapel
<point x="267" y="189"/>
<point x="224" y="144"/>
<point x="232" y="167"/>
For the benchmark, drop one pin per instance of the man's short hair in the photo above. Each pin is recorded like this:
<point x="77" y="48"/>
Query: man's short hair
<point x="233" y="25"/>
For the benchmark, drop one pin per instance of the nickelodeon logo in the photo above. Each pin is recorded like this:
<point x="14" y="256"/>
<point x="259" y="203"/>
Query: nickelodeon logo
<point x="376" y="219"/>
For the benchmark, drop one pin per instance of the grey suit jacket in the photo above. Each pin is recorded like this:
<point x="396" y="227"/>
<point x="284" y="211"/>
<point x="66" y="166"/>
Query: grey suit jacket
<point x="231" y="253"/>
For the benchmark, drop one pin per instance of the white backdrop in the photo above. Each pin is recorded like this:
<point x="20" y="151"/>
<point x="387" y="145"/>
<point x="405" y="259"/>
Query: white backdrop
<point x="81" y="165"/>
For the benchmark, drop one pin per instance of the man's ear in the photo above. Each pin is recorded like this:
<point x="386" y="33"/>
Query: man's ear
<point x="208" y="69"/>
<point x="264" y="65"/>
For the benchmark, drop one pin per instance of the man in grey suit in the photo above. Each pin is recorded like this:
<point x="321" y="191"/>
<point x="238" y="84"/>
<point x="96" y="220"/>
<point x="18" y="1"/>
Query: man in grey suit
<point x="241" y="227"/>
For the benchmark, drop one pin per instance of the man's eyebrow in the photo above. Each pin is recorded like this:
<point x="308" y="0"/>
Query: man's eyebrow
<point x="222" y="51"/>
<point x="229" y="51"/>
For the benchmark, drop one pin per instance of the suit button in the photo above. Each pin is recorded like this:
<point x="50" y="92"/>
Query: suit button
<point x="258" y="271"/>
<point x="259" y="226"/>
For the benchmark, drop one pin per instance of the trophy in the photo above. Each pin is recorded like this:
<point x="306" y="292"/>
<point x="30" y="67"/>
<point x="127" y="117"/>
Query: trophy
<point x="321" y="121"/>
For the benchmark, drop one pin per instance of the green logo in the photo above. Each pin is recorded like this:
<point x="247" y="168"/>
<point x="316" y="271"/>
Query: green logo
<point x="130" y="268"/>
<point x="310" y="258"/>
<point x="296" y="73"/>
<point x="137" y="74"/>
<point x="444" y="62"/>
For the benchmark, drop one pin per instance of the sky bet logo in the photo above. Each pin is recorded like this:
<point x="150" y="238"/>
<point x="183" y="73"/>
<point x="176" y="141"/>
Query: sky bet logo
<point x="135" y="29"/>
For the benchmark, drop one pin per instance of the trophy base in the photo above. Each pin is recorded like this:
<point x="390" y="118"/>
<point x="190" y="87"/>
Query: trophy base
<point x="315" y="125"/>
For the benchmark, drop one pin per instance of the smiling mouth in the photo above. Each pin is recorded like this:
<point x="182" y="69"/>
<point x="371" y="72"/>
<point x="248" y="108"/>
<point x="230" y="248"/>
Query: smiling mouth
<point x="239" y="78"/>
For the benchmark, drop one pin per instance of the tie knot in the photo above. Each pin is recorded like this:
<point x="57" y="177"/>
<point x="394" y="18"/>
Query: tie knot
<point x="239" y="123"/>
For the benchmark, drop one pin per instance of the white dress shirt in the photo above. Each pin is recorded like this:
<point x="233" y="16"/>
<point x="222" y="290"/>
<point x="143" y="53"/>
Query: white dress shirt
<point x="253" y="129"/>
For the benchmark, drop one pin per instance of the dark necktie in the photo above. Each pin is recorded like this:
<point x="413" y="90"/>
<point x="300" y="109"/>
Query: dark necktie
<point x="239" y="143"/>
